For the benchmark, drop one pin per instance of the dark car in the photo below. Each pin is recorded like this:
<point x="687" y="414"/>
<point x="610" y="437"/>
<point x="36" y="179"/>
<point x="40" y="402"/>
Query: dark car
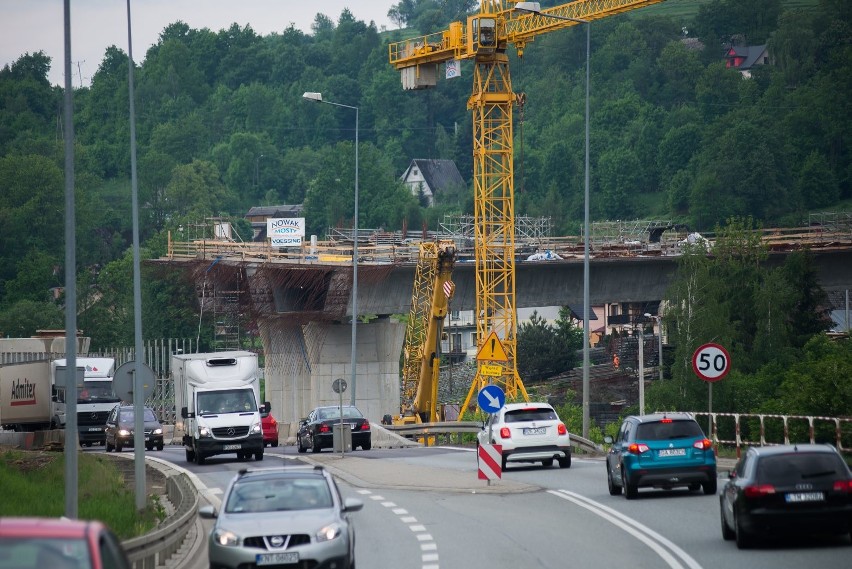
<point x="316" y="431"/>
<point x="283" y="517"/>
<point x="56" y="543"/>
<point x="787" y="490"/>
<point x="665" y="450"/>
<point x="121" y="424"/>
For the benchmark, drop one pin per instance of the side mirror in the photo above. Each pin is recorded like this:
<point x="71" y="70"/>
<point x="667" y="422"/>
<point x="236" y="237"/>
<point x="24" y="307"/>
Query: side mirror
<point x="184" y="414"/>
<point x="207" y="512"/>
<point x="267" y="406"/>
<point x="608" y="440"/>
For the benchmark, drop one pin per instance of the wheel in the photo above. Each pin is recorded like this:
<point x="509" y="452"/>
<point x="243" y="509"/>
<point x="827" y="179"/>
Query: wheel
<point x="630" y="490"/>
<point x="694" y="486"/>
<point x="565" y="462"/>
<point x="149" y="448"/>
<point x="503" y="464"/>
<point x="547" y="463"/>
<point x="118" y="446"/>
<point x="744" y="539"/>
<point x="614" y="490"/>
<point x="709" y="487"/>
<point x="109" y="447"/>
<point x="258" y="455"/>
<point x="190" y="456"/>
<point x="367" y="446"/>
<point x="727" y="532"/>
<point x="299" y="444"/>
<point x="160" y="446"/>
<point x="275" y="443"/>
<point x="199" y="458"/>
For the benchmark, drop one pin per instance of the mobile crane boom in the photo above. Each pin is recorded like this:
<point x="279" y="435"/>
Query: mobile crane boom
<point x="484" y="38"/>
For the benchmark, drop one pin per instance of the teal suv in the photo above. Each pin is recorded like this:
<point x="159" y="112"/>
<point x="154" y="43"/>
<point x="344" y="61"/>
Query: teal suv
<point x="667" y="450"/>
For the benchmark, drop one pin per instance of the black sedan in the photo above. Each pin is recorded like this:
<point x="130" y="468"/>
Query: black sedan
<point x="316" y="432"/>
<point x="793" y="490"/>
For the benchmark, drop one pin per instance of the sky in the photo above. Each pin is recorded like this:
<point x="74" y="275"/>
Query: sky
<point x="28" y="26"/>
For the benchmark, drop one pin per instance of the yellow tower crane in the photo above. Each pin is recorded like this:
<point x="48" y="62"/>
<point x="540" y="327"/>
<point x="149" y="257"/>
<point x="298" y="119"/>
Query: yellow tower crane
<point x="484" y="38"/>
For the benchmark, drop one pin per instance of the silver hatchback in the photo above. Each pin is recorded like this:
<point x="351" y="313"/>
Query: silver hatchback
<point x="291" y="516"/>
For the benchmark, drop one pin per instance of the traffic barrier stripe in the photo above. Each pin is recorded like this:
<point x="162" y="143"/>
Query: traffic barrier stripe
<point x="490" y="461"/>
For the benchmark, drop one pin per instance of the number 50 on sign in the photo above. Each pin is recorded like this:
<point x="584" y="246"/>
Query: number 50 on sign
<point x="711" y="362"/>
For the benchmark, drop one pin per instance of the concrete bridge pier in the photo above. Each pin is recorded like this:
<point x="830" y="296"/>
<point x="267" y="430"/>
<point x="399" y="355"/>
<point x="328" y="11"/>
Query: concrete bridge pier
<point x="303" y="360"/>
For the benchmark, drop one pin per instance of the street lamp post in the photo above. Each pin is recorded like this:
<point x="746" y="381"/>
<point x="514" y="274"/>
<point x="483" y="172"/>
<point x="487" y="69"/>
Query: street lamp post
<point x="535" y="8"/>
<point x="659" y="321"/>
<point x="317" y="97"/>
<point x="641" y="342"/>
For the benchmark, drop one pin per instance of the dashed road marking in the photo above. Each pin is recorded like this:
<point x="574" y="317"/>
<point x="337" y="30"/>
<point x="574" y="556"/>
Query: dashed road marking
<point x="427" y="542"/>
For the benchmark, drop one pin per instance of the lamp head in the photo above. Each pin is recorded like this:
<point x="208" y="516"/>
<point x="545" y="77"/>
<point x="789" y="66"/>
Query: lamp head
<point x="528" y="7"/>
<point x="648" y="315"/>
<point x="310" y="96"/>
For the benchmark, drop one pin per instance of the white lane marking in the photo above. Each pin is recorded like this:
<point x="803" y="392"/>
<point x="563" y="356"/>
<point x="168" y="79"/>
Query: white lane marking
<point x="638" y="530"/>
<point x="427" y="542"/>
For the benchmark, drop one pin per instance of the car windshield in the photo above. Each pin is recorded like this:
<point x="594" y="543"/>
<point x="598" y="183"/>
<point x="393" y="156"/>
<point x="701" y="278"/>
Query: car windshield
<point x="334" y="413"/>
<point x="254" y="496"/>
<point x="663" y="431"/>
<point x="789" y="469"/>
<point x="127" y="416"/>
<point x="37" y="553"/>
<point x="530" y="414"/>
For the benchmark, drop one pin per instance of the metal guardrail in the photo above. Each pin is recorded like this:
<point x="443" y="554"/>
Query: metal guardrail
<point x="152" y="549"/>
<point x="448" y="428"/>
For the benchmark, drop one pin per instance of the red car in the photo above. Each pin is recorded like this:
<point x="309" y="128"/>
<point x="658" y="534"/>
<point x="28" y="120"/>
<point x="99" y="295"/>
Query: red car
<point x="270" y="429"/>
<point x="37" y="543"/>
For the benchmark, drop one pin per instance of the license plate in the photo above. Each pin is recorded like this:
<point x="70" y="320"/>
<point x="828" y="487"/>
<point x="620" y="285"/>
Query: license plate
<point x="805" y="497"/>
<point x="277" y="558"/>
<point x="535" y="431"/>
<point x="672" y="452"/>
<point x="95" y="429"/>
<point x="147" y="439"/>
<point x="232" y="447"/>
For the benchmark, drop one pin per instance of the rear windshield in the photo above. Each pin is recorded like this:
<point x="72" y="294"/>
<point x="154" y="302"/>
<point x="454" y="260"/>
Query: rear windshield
<point x="659" y="431"/>
<point x="531" y="414"/>
<point x="788" y="469"/>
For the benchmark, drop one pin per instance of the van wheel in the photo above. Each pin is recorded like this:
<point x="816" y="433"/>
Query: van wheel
<point x="190" y="456"/>
<point x="199" y="458"/>
<point x="160" y="446"/>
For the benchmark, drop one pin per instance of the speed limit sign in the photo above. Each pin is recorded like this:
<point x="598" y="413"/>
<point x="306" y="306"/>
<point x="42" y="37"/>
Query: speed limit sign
<point x="711" y="362"/>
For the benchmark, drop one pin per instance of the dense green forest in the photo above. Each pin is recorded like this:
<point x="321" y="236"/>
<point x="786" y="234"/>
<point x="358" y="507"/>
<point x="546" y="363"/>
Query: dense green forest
<point x="222" y="127"/>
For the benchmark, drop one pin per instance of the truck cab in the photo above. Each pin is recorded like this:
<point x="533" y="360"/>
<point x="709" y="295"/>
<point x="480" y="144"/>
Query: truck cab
<point x="95" y="397"/>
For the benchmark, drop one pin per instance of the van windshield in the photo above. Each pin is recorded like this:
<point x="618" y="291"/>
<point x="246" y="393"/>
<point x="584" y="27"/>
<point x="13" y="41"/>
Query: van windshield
<point x="226" y="401"/>
<point x="96" y="392"/>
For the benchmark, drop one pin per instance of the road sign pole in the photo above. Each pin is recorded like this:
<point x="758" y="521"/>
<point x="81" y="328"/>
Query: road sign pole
<point x="709" y="409"/>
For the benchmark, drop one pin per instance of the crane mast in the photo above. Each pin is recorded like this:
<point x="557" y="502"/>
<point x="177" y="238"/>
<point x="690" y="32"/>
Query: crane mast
<point x="485" y="38"/>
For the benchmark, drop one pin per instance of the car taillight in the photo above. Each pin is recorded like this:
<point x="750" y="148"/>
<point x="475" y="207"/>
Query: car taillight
<point x="758" y="491"/>
<point x="505" y="433"/>
<point x="705" y="444"/>
<point x="324" y="428"/>
<point x="560" y="428"/>
<point x="637" y="448"/>
<point x="665" y="420"/>
<point x="843" y="486"/>
<point x="365" y="426"/>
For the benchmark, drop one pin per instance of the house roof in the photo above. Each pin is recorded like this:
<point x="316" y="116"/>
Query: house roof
<point x="274" y="210"/>
<point x="438" y="174"/>
<point x="749" y="53"/>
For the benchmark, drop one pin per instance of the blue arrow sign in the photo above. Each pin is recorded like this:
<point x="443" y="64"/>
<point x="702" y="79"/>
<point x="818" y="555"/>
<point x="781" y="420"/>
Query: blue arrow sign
<point x="491" y="398"/>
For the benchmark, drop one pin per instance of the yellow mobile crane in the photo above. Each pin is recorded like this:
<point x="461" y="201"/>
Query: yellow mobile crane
<point x="484" y="39"/>
<point x="433" y="290"/>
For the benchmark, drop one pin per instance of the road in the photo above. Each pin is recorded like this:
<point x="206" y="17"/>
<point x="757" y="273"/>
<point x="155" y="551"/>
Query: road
<point x="532" y="519"/>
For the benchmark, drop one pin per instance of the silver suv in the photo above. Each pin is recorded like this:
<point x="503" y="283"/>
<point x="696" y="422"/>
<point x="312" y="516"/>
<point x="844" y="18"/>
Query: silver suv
<point x="528" y="432"/>
<point x="286" y="516"/>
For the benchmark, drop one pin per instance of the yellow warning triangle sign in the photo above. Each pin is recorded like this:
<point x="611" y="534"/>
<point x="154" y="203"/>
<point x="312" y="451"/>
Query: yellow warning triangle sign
<point x="492" y="350"/>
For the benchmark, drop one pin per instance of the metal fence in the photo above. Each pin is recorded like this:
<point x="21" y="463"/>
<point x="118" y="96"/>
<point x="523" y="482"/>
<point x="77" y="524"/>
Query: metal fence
<point x="741" y="430"/>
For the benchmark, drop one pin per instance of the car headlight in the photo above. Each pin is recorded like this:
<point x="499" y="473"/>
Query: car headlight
<point x="203" y="432"/>
<point x="124" y="433"/>
<point x="158" y="431"/>
<point x="256" y="428"/>
<point x="226" y="538"/>
<point x="329" y="532"/>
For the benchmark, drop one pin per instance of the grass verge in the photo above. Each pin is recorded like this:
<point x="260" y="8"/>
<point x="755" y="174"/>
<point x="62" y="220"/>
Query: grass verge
<point x="33" y="484"/>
